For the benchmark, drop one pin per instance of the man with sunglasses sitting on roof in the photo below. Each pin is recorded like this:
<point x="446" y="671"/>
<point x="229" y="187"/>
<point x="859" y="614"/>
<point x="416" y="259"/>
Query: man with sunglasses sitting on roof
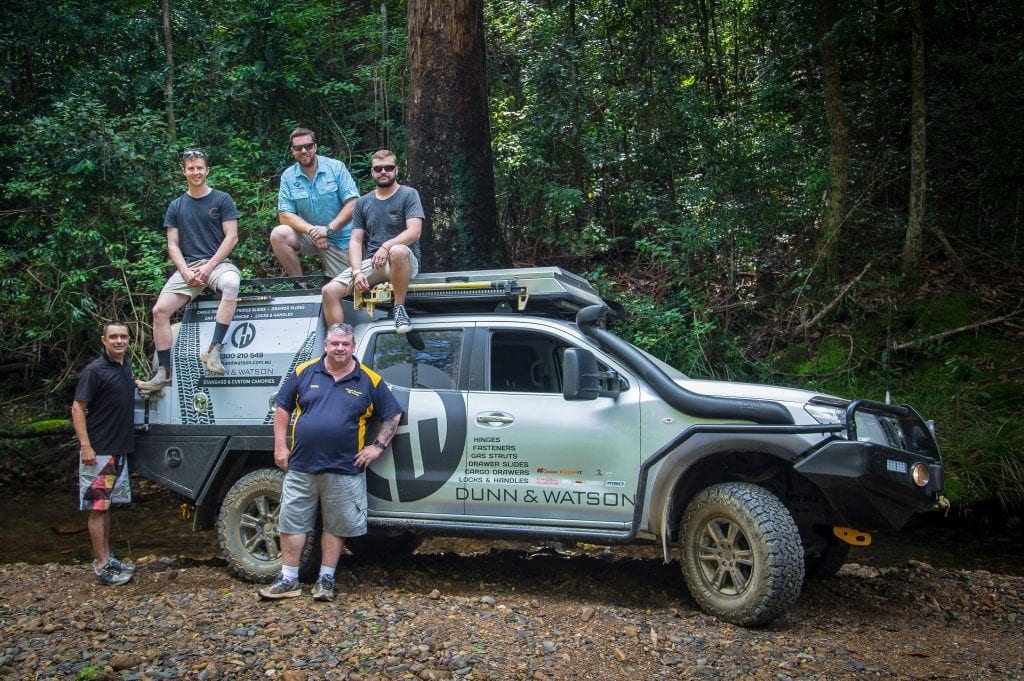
<point x="202" y="230"/>
<point x="386" y="226"/>
<point x="314" y="205"/>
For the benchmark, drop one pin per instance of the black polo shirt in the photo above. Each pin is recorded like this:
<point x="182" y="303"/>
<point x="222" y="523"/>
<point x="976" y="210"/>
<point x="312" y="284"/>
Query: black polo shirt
<point x="108" y="390"/>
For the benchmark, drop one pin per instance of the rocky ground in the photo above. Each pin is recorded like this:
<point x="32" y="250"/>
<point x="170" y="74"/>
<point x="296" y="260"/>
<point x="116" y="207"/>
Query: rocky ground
<point x="502" y="614"/>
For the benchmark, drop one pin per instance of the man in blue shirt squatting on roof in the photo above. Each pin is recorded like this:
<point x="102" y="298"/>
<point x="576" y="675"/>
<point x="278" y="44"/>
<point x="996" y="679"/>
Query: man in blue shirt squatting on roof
<point x="314" y="205"/>
<point x="325" y="454"/>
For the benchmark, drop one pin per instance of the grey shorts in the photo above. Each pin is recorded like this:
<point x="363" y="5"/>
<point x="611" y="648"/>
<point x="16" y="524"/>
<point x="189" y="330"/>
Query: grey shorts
<point x="176" y="283"/>
<point x="342" y="499"/>
<point x="374" y="277"/>
<point x="335" y="259"/>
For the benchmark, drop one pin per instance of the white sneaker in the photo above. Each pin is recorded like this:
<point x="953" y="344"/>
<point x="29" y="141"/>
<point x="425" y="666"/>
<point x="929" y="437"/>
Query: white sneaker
<point x="402" y="322"/>
<point x="110" y="575"/>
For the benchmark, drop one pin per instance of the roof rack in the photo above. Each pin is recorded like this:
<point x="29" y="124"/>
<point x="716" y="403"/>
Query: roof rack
<point x="538" y="290"/>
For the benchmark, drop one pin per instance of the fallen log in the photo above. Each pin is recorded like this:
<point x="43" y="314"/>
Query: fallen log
<point x="951" y="332"/>
<point x="36" y="429"/>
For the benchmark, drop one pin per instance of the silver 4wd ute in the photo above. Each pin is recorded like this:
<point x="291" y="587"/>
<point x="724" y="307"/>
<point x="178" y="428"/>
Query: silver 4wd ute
<point x="526" y="418"/>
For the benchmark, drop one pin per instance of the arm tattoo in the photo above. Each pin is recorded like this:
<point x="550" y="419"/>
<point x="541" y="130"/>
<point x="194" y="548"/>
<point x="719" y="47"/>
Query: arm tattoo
<point x="388" y="429"/>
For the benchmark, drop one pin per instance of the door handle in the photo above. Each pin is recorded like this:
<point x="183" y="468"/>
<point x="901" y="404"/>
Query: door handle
<point x="494" y="418"/>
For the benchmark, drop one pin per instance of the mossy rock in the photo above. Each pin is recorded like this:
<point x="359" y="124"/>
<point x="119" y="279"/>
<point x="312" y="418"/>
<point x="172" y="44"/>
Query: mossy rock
<point x="941" y="312"/>
<point x="832" y="355"/>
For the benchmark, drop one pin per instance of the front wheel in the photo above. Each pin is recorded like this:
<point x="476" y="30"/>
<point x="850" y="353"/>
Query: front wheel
<point x="247" y="526"/>
<point x="741" y="553"/>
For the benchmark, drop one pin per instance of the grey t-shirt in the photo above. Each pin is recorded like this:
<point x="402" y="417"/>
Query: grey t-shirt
<point x="200" y="222"/>
<point x="385" y="218"/>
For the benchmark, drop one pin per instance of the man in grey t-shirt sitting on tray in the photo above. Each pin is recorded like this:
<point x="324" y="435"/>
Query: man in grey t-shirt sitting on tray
<point x="202" y="230"/>
<point x="386" y="222"/>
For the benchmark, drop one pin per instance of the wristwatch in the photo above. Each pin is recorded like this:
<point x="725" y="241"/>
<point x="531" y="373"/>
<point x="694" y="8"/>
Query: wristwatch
<point x="378" y="443"/>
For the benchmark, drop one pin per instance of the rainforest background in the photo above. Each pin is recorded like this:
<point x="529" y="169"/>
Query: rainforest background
<point x="822" y="194"/>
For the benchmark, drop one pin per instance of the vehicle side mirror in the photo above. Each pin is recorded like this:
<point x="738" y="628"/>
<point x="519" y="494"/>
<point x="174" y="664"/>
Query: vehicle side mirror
<point x="581" y="377"/>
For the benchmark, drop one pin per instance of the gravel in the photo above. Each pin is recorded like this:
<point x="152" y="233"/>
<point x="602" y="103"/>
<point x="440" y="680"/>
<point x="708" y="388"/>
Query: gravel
<point x="501" y="614"/>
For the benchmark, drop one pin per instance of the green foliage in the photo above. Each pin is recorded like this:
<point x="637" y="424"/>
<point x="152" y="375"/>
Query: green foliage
<point x="84" y="176"/>
<point x="604" y="104"/>
<point x="832" y="356"/>
<point x="970" y="387"/>
<point x="90" y="672"/>
<point x="678" y="150"/>
<point x="88" y="166"/>
<point x="677" y="333"/>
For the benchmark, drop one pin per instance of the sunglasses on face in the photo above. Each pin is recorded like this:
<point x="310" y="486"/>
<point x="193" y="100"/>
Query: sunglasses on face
<point x="382" y="169"/>
<point x="304" y="147"/>
<point x="192" y="153"/>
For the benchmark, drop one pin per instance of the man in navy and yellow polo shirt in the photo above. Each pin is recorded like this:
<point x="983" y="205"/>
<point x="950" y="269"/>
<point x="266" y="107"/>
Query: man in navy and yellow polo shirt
<point x="325" y="455"/>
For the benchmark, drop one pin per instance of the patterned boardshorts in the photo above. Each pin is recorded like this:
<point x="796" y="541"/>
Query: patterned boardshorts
<point x="104" y="482"/>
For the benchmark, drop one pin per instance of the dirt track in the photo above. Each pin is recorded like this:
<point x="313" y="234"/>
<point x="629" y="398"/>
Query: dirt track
<point x="503" y="614"/>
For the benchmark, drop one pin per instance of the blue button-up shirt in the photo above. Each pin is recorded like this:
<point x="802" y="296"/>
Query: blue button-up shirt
<point x="318" y="202"/>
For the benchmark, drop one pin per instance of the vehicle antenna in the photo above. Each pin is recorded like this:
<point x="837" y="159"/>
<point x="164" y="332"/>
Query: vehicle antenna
<point x="888" y="354"/>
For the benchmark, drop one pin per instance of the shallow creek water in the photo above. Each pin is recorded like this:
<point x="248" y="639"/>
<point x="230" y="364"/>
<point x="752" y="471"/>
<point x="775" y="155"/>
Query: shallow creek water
<point x="44" y="526"/>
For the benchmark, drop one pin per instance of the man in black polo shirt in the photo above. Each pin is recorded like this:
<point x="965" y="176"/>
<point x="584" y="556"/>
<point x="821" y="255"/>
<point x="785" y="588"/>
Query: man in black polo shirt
<point x="325" y="456"/>
<point x="102" y="413"/>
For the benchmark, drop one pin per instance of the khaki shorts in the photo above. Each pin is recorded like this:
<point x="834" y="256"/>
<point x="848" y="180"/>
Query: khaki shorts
<point x="342" y="501"/>
<point x="374" y="277"/>
<point x="335" y="259"/>
<point x="103" y="483"/>
<point x="176" y="283"/>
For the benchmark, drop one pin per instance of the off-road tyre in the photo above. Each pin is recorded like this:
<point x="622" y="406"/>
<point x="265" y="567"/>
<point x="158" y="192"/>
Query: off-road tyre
<point x="247" y="527"/>
<point x="742" y="557"/>
<point x="383" y="547"/>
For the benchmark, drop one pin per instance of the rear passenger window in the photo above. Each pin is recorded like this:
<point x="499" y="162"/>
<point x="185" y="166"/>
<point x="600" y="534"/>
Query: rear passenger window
<point x="434" y="365"/>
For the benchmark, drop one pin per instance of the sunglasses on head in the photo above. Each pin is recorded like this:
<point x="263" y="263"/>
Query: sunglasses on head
<point x="304" y="147"/>
<point x="192" y="153"/>
<point x="383" y="169"/>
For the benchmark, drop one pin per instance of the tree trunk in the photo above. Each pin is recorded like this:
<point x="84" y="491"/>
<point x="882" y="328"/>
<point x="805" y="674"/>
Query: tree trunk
<point x="705" y="12"/>
<point x="449" y="157"/>
<point x="915" y="216"/>
<point x="839" y="144"/>
<point x="172" y="128"/>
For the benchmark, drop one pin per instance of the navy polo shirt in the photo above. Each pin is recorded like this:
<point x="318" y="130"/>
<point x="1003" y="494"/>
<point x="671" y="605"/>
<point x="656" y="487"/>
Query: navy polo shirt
<point x="108" y="390"/>
<point x="331" y="416"/>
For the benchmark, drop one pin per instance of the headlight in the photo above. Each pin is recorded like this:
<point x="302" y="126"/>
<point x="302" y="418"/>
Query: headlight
<point x="826" y="413"/>
<point x="920" y="475"/>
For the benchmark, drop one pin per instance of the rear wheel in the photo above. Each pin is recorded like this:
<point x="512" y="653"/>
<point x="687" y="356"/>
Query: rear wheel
<point x="742" y="556"/>
<point x="247" y="526"/>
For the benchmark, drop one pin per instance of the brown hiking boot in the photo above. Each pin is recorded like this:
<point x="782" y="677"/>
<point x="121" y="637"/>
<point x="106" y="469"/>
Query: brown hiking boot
<point x="160" y="380"/>
<point x="211" y="359"/>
